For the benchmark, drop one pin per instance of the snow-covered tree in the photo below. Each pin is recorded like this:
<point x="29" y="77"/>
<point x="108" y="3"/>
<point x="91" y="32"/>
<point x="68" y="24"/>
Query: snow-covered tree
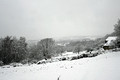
<point x="117" y="28"/>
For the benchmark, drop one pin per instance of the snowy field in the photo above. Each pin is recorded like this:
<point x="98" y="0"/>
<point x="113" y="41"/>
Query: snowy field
<point x="103" y="67"/>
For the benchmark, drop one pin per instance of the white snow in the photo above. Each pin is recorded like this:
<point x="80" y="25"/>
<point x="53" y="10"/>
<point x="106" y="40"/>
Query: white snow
<point x="103" y="67"/>
<point x="110" y="40"/>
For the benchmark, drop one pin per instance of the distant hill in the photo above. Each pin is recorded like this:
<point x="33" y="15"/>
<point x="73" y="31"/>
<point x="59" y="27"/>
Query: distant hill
<point x="32" y="42"/>
<point x="77" y="38"/>
<point x="67" y="39"/>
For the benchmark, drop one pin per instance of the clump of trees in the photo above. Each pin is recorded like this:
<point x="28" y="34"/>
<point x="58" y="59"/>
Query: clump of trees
<point x="16" y="50"/>
<point x="12" y="49"/>
<point x="117" y="33"/>
<point x="59" y="50"/>
<point x="88" y="45"/>
<point x="43" y="50"/>
<point x="117" y="29"/>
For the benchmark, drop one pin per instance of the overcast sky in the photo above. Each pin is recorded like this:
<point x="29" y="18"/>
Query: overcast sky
<point x="37" y="19"/>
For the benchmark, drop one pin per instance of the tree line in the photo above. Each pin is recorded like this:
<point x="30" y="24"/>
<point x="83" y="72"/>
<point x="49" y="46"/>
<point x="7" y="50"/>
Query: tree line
<point x="17" y="50"/>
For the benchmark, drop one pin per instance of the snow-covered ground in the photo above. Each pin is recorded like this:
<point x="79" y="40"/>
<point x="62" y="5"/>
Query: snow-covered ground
<point x="103" y="67"/>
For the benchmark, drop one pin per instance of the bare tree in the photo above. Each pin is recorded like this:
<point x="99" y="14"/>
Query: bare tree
<point x="46" y="47"/>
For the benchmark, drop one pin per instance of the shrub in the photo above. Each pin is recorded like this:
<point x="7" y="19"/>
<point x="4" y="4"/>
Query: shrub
<point x="1" y="63"/>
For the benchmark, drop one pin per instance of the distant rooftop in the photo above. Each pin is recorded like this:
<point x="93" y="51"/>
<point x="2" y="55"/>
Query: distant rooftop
<point x="111" y="38"/>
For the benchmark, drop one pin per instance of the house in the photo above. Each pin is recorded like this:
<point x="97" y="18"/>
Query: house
<point x="110" y="43"/>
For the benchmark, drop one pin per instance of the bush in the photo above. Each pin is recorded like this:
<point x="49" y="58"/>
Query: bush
<point x="15" y="64"/>
<point x="25" y="61"/>
<point x="33" y="61"/>
<point x="1" y="63"/>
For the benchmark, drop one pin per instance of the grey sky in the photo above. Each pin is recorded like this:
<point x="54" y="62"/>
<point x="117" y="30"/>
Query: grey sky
<point x="37" y="19"/>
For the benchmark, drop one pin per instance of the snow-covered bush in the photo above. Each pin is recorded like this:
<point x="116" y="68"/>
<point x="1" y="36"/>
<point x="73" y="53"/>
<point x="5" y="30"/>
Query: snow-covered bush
<point x="25" y="61"/>
<point x="15" y="64"/>
<point x="41" y="61"/>
<point x="33" y="61"/>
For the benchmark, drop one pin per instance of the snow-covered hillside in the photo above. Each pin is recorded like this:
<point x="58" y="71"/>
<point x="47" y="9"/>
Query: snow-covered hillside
<point x="103" y="67"/>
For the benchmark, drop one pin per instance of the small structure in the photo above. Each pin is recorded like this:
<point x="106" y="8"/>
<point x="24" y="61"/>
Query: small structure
<point x="41" y="61"/>
<point x="110" y="43"/>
